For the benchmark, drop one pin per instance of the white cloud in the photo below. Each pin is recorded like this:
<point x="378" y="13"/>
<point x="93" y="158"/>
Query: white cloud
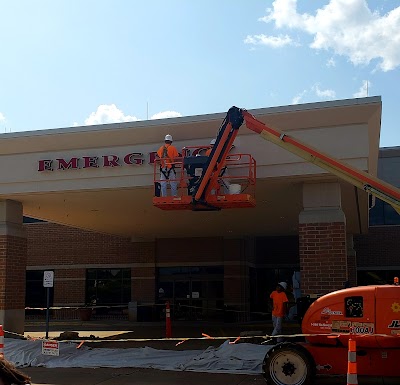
<point x="271" y="41"/>
<point x="327" y="94"/>
<point x="363" y="90"/>
<point x="331" y="62"/>
<point x="2" y="117"/>
<point x="166" y="114"/>
<point x="108" y="113"/>
<point x="346" y="27"/>
<point x="284" y="13"/>
<point x="324" y="94"/>
<point x="298" y="97"/>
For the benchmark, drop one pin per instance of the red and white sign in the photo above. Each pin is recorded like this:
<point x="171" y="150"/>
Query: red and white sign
<point x="84" y="162"/>
<point x="50" y="348"/>
<point x="105" y="161"/>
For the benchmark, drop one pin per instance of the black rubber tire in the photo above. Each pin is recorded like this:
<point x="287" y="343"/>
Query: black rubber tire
<point x="289" y="364"/>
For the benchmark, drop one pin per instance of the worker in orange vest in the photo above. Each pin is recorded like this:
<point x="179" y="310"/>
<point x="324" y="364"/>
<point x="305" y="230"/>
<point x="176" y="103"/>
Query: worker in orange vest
<point x="168" y="155"/>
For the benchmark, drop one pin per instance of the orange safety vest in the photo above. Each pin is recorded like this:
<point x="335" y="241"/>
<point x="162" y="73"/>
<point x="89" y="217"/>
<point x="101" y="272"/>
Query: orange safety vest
<point x="167" y="153"/>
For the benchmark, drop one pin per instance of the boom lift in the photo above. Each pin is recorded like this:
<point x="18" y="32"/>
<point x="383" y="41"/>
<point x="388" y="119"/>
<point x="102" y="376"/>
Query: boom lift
<point x="371" y="314"/>
<point x="203" y="175"/>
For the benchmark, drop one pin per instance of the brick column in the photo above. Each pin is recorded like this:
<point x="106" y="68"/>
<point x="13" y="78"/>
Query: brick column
<point x="236" y="279"/>
<point x="322" y="238"/>
<point x="12" y="266"/>
<point x="144" y="273"/>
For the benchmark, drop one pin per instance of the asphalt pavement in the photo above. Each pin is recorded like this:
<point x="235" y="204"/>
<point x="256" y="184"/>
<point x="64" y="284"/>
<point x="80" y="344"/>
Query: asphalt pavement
<point x="128" y="376"/>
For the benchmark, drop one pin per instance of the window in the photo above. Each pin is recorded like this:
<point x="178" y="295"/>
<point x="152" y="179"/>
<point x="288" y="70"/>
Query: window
<point x="196" y="292"/>
<point x="32" y="220"/>
<point x="354" y="307"/>
<point x="376" y="277"/>
<point x="383" y="214"/>
<point x="190" y="270"/>
<point x="108" y="286"/>
<point x="36" y="294"/>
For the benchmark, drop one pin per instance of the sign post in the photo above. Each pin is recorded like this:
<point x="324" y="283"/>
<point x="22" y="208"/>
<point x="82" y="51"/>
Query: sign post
<point x="48" y="282"/>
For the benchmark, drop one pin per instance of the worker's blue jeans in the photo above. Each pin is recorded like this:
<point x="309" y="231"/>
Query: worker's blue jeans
<point x="277" y="323"/>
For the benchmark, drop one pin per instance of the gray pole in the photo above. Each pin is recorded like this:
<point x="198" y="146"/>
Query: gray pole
<point x="48" y="313"/>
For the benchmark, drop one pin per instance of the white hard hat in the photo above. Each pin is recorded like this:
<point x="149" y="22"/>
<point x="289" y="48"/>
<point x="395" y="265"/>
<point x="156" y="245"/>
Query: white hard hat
<point x="212" y="142"/>
<point x="283" y="284"/>
<point x="168" y="137"/>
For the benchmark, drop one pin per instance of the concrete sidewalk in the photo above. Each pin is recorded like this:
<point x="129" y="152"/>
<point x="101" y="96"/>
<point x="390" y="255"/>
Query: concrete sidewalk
<point x="156" y="329"/>
<point x="105" y="333"/>
<point x="128" y="376"/>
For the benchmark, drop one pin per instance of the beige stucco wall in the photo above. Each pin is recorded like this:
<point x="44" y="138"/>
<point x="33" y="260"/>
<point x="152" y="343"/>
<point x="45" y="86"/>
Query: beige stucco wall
<point x="20" y="171"/>
<point x="348" y="130"/>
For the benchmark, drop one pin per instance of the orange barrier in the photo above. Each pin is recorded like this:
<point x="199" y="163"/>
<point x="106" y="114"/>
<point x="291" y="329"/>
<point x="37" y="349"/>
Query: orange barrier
<point x="168" y="328"/>
<point x="352" y="363"/>
<point x="79" y="346"/>
<point x="1" y="341"/>
<point x="234" y="342"/>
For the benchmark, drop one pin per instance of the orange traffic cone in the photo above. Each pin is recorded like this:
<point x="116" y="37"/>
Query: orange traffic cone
<point x="168" y="328"/>
<point x="1" y="342"/>
<point x="352" y="363"/>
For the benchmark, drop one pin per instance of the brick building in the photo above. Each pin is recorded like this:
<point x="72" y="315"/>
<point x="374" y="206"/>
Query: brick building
<point x="91" y="189"/>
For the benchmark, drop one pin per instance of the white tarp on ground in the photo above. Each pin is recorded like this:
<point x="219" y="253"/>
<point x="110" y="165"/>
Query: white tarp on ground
<point x="242" y="358"/>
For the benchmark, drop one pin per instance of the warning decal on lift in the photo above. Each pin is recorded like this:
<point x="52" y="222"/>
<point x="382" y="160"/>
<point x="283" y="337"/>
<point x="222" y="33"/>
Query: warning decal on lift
<point x="353" y="327"/>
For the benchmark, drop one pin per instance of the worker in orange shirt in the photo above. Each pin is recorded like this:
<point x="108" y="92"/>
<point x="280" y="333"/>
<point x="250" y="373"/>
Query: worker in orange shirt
<point x="280" y="308"/>
<point x="168" y="155"/>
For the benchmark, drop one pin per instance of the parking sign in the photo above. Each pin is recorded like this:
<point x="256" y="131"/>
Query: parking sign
<point x="48" y="278"/>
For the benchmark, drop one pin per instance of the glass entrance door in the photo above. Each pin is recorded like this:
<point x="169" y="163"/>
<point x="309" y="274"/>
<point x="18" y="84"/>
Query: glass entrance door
<point x="194" y="295"/>
<point x="188" y="300"/>
<point x="182" y="299"/>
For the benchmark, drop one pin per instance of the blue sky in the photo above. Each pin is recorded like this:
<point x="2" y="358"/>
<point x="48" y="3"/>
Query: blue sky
<point x="79" y="62"/>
